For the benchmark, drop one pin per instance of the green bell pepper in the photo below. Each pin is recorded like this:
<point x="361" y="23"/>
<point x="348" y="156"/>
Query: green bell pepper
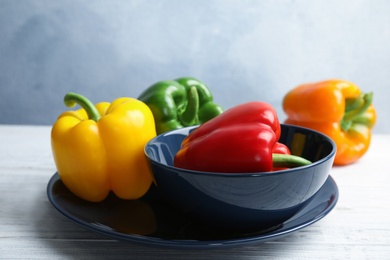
<point x="179" y="103"/>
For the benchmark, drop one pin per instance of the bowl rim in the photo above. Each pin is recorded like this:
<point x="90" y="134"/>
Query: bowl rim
<point x="243" y="174"/>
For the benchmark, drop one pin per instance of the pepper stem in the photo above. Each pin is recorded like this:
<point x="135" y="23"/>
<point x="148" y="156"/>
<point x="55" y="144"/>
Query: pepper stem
<point x="288" y="161"/>
<point x="190" y="115"/>
<point x="353" y="111"/>
<point x="71" y="99"/>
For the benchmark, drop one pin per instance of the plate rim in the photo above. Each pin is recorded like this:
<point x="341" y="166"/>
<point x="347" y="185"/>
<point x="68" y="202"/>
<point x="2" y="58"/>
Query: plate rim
<point x="188" y="243"/>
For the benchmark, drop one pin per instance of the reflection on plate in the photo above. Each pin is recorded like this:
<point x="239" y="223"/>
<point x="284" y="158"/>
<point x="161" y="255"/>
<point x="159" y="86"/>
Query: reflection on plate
<point x="152" y="221"/>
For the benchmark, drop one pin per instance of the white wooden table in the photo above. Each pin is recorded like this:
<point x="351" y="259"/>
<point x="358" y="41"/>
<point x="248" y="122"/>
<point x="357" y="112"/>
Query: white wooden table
<point x="30" y="227"/>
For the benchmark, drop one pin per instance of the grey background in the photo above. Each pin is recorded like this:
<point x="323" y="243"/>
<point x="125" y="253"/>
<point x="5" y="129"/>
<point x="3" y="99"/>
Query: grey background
<point x="243" y="50"/>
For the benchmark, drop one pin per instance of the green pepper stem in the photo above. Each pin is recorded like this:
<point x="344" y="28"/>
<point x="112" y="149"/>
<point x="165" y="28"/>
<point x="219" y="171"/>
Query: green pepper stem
<point x="288" y="161"/>
<point x="354" y="103"/>
<point x="190" y="115"/>
<point x="71" y="99"/>
<point x="355" y="112"/>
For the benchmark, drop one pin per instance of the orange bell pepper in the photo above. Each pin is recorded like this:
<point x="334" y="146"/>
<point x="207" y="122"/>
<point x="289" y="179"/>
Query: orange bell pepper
<point x="338" y="109"/>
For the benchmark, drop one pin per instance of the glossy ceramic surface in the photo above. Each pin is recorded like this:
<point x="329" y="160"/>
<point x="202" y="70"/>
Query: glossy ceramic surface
<point x="152" y="221"/>
<point x="242" y="201"/>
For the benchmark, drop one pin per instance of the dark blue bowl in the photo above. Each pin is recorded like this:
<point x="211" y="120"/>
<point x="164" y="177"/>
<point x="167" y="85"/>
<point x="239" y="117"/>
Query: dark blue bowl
<point x="242" y="201"/>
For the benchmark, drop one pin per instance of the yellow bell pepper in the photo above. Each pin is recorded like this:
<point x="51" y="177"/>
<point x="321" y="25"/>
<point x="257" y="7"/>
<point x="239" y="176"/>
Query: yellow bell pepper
<point x="98" y="149"/>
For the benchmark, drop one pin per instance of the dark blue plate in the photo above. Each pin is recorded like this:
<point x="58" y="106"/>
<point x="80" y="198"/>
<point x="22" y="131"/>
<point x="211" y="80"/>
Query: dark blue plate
<point x="153" y="221"/>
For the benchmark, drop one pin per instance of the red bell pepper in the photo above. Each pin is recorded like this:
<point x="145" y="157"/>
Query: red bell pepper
<point x="242" y="139"/>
